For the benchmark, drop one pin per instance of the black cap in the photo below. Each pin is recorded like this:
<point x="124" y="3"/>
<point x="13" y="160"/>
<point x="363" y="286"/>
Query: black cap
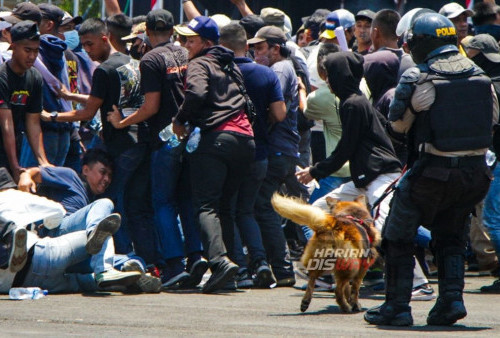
<point x="271" y="34"/>
<point x="6" y="181"/>
<point x="24" y="30"/>
<point x="159" y="20"/>
<point x="252" y="23"/>
<point x="67" y="18"/>
<point x="51" y="12"/>
<point x="24" y="11"/>
<point x="365" y="14"/>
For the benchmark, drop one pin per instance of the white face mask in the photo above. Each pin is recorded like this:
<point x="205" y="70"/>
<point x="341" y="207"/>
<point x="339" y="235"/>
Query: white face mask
<point x="263" y="60"/>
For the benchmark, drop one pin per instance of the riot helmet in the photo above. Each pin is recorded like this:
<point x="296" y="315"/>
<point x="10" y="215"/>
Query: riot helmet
<point x="431" y="34"/>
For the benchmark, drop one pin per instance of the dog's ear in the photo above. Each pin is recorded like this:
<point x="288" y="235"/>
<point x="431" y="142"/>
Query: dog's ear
<point x="362" y="200"/>
<point x="331" y="202"/>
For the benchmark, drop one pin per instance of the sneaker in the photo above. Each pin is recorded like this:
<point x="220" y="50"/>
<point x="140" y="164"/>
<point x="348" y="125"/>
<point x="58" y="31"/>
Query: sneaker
<point x="423" y="292"/>
<point x="175" y="281"/>
<point x="284" y="282"/>
<point x="243" y="279"/>
<point x="493" y="288"/>
<point x="18" y="254"/>
<point x="196" y="273"/>
<point x="223" y="272"/>
<point x="104" y="229"/>
<point x="147" y="283"/>
<point x="230" y="285"/>
<point x="263" y="275"/>
<point x="114" y="277"/>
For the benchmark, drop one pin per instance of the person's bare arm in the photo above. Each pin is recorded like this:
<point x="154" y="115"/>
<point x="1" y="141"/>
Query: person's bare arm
<point x="85" y="114"/>
<point x="149" y="108"/>
<point x="190" y="10"/>
<point x="65" y="94"/>
<point x="277" y="111"/>
<point x="35" y="138"/>
<point x="242" y="7"/>
<point x="29" y="179"/>
<point x="9" y="141"/>
<point x="112" y="7"/>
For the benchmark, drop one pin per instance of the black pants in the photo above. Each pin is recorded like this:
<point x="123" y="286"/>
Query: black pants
<point x="439" y="197"/>
<point x="279" y="169"/>
<point x="217" y="168"/>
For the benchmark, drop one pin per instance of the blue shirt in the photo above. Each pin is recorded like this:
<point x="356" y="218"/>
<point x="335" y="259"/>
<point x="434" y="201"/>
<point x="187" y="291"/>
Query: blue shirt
<point x="263" y="87"/>
<point x="63" y="185"/>
<point x="284" y="137"/>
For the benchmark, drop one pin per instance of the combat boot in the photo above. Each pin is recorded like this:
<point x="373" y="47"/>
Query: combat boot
<point x="449" y="306"/>
<point x="395" y="310"/>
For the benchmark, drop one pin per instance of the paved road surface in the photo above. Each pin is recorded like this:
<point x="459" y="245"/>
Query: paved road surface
<point x="242" y="313"/>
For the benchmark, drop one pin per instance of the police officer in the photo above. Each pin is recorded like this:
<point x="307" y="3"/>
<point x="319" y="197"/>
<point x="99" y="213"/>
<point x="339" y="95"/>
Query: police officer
<point x="446" y="104"/>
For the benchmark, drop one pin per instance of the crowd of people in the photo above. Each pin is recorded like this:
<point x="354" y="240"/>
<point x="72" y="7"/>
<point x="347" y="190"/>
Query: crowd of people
<point x="136" y="154"/>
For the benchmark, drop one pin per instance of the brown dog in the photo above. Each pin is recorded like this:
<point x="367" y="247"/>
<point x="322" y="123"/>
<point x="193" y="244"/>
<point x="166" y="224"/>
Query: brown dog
<point x="343" y="243"/>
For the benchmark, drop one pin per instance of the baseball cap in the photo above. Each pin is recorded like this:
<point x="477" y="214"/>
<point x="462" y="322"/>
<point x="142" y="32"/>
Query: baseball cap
<point x="271" y="34"/>
<point x="67" y="18"/>
<point x="274" y="17"/>
<point x="24" y="11"/>
<point x="486" y="44"/>
<point x="221" y="20"/>
<point x="24" y="30"/>
<point x="365" y="14"/>
<point x="159" y="20"/>
<point x="136" y="31"/>
<point x="51" y="12"/>
<point x="202" y="26"/>
<point x="341" y="17"/>
<point x="452" y="10"/>
<point x="6" y="181"/>
<point x="252" y="23"/>
<point x="328" y="34"/>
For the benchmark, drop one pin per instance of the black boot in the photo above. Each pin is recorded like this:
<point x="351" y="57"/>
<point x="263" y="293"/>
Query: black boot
<point x="450" y="304"/>
<point x="395" y="310"/>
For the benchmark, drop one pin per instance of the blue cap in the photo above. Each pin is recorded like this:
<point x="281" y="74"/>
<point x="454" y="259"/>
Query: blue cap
<point x="202" y="26"/>
<point x="341" y="17"/>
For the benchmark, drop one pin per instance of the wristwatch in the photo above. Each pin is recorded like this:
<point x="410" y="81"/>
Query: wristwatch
<point x="53" y="116"/>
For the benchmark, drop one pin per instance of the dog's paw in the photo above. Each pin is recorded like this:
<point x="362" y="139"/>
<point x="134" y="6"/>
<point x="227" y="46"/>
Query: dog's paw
<point x="356" y="307"/>
<point x="346" y="308"/>
<point x="304" y="305"/>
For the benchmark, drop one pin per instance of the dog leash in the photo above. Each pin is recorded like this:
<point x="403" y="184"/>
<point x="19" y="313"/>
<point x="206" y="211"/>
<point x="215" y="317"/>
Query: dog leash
<point x="376" y="205"/>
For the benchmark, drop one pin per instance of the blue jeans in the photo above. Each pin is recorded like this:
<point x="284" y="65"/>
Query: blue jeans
<point x="130" y="190"/>
<point x="491" y="210"/>
<point x="56" y="145"/>
<point x="86" y="219"/>
<point x="247" y="229"/>
<point x="51" y="258"/>
<point x="172" y="197"/>
<point x="326" y="185"/>
<point x="54" y="257"/>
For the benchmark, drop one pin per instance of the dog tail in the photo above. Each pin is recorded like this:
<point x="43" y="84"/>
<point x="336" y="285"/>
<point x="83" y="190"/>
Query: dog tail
<point x="301" y="213"/>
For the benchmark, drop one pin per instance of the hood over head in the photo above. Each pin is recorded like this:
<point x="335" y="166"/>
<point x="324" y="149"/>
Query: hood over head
<point x="381" y="72"/>
<point x="345" y="70"/>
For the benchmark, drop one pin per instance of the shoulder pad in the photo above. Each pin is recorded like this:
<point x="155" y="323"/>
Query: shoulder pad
<point x="411" y="75"/>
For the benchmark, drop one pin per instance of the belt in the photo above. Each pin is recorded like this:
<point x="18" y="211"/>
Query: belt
<point x="453" y="162"/>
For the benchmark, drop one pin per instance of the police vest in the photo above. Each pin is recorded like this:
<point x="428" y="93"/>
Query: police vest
<point x="461" y="116"/>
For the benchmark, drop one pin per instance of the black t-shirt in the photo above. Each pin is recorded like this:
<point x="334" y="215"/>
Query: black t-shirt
<point x="20" y="94"/>
<point x="163" y="70"/>
<point x="117" y="82"/>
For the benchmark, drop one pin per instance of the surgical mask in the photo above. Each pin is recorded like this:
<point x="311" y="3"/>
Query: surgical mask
<point x="72" y="39"/>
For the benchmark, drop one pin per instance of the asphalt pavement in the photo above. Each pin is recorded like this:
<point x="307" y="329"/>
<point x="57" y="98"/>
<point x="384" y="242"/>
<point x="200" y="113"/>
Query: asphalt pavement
<point x="253" y="312"/>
